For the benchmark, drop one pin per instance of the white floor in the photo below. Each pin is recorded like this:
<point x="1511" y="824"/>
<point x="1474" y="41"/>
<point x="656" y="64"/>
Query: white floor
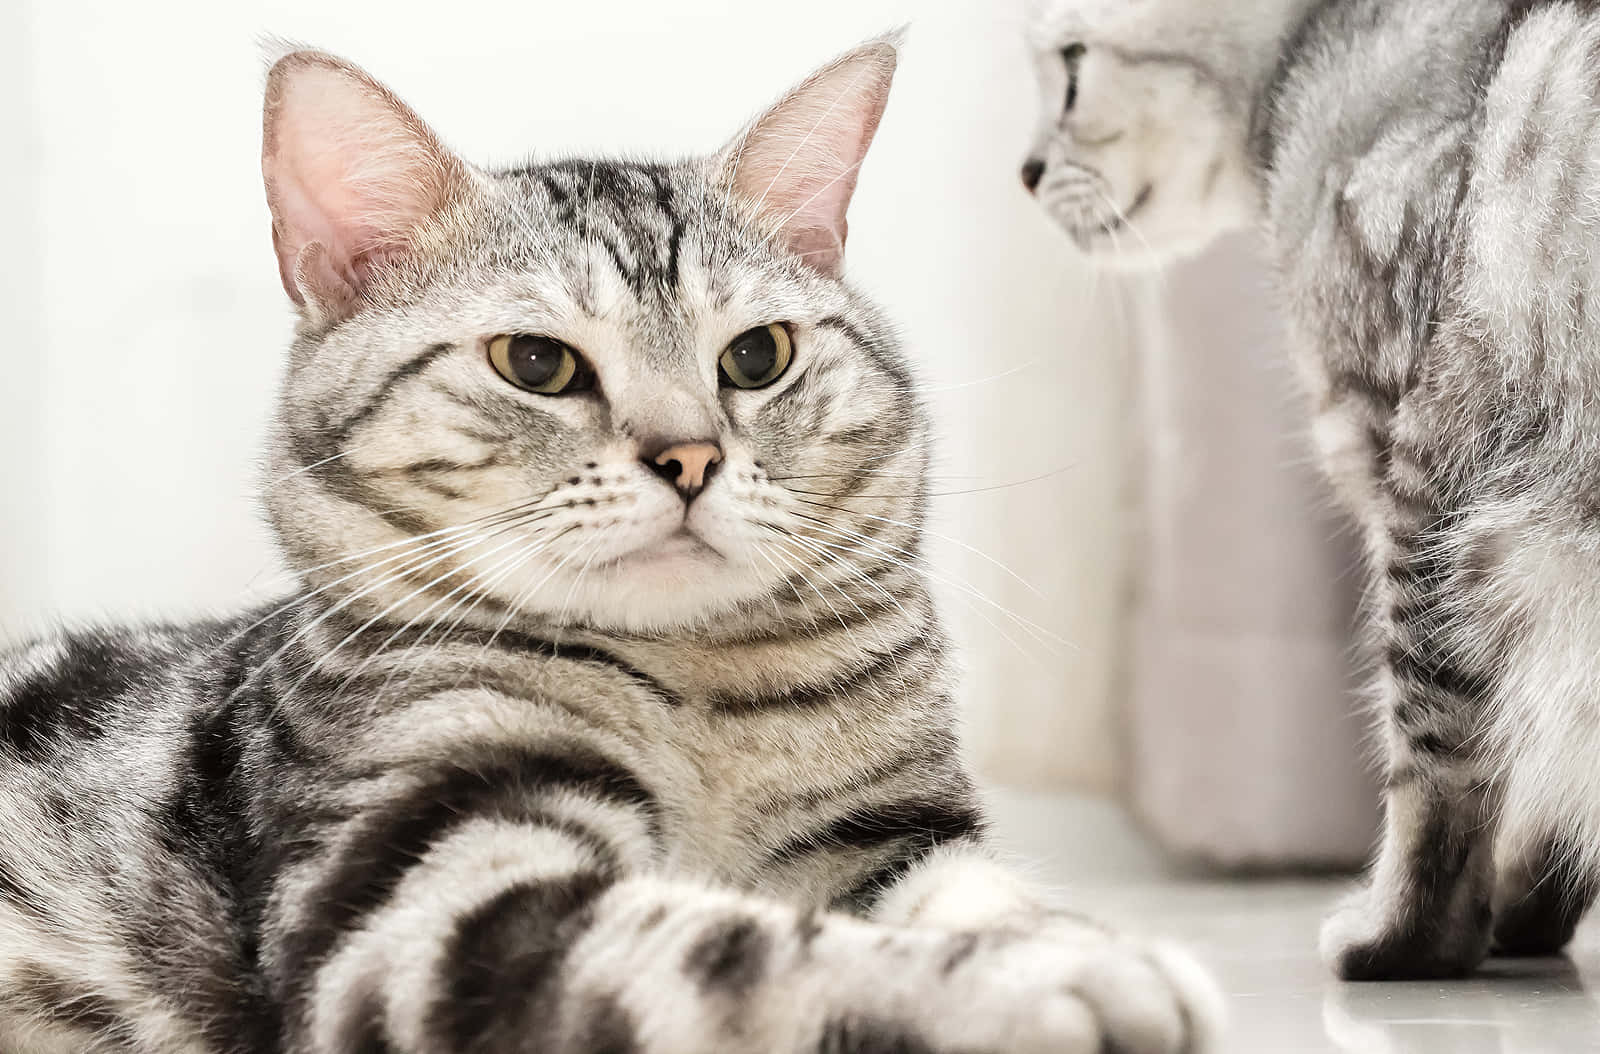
<point x="1260" y="937"/>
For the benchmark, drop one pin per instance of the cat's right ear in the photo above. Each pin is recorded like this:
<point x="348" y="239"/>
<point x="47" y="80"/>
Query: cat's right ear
<point x="352" y="174"/>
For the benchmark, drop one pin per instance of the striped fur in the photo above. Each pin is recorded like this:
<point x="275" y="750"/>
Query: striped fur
<point x="1427" y="172"/>
<point x="544" y="757"/>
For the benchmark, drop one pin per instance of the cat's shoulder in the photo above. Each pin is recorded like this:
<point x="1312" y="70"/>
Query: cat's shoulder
<point x="72" y="679"/>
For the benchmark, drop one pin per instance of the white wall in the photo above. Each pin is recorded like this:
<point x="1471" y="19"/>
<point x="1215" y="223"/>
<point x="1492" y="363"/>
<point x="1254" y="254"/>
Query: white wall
<point x="145" y="324"/>
<point x="22" y="512"/>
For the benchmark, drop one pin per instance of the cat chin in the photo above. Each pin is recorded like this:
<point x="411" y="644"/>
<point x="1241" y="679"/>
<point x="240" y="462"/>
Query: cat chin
<point x="1146" y="254"/>
<point x="678" y="584"/>
<point x="1134" y="261"/>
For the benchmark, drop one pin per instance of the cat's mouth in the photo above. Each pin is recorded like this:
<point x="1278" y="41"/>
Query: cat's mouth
<point x="682" y="542"/>
<point x="682" y="545"/>
<point x="1107" y="222"/>
<point x="1084" y="204"/>
<point x="1121" y="218"/>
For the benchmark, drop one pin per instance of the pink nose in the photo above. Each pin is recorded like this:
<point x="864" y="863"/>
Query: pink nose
<point x="687" y="466"/>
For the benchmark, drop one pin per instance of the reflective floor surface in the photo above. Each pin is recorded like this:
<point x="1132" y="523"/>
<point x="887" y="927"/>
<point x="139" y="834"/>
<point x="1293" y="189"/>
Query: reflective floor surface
<point x="1260" y="938"/>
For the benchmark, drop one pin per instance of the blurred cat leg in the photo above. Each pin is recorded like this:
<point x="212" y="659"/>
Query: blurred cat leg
<point x="1546" y="732"/>
<point x="1544" y="887"/>
<point x="1426" y="911"/>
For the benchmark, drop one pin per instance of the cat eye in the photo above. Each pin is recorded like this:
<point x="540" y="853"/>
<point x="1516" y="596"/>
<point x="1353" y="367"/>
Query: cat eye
<point x="537" y="364"/>
<point x="757" y="357"/>
<point x="1072" y="54"/>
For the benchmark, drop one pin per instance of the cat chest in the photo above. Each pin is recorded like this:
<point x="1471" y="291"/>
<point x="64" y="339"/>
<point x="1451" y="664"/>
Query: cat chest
<point x="750" y="785"/>
<point x="740" y="767"/>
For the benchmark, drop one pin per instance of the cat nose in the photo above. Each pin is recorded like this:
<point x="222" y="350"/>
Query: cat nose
<point x="688" y="466"/>
<point x="1032" y="172"/>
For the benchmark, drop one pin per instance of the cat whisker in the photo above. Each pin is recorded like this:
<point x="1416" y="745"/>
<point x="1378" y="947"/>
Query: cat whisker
<point x="762" y="547"/>
<point x="875" y="474"/>
<point x="329" y="653"/>
<point x="891" y="552"/>
<point x="408" y="547"/>
<point x="566" y="601"/>
<point x="515" y="607"/>
<point x="942" y="388"/>
<point x="923" y="529"/>
<point x="786" y="536"/>
<point x="476" y="598"/>
<point x="945" y="493"/>
<point x="814" y="551"/>
<point x="469" y="591"/>
<point x="513" y="508"/>
<point x="799" y="570"/>
<point x="969" y="596"/>
<point x="1122" y="220"/>
<point x="794" y="576"/>
<point x="304" y="469"/>
<point x="450" y="548"/>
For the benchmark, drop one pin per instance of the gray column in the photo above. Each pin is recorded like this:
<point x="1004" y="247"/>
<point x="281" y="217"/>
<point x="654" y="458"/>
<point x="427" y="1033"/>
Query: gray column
<point x="1248" y="738"/>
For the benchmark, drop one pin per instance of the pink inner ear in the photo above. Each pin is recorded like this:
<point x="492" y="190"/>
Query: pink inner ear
<point x="349" y="170"/>
<point x="798" y="163"/>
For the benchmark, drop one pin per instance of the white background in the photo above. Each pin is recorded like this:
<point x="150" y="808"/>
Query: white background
<point x="143" y="324"/>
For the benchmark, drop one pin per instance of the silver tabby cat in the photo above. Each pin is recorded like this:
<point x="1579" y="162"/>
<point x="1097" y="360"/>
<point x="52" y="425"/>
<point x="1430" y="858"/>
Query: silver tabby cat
<point x="1429" y="177"/>
<point x="615" y="716"/>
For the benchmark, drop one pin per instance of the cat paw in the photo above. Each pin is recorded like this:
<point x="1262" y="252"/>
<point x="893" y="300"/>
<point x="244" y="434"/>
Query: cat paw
<point x="1367" y="939"/>
<point x="1086" y="996"/>
<point x="1539" y="902"/>
<point x="1536" y="926"/>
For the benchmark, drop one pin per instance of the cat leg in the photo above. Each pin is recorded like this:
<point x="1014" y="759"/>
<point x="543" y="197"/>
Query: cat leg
<point x="1541" y="895"/>
<point x="1426" y="911"/>
<point x="524" y="942"/>
<point x="1145" y="995"/>
<point x="506" y="899"/>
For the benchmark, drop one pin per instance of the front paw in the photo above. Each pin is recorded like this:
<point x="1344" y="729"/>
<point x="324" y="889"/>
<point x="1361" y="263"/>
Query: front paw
<point x="1375" y="938"/>
<point x="1091" y="991"/>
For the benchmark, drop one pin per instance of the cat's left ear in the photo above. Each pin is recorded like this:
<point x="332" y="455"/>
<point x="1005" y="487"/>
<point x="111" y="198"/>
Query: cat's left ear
<point x="796" y="164"/>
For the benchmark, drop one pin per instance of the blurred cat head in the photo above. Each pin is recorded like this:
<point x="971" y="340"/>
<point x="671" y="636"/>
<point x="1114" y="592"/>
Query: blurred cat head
<point x="1142" y="148"/>
<point x="631" y="395"/>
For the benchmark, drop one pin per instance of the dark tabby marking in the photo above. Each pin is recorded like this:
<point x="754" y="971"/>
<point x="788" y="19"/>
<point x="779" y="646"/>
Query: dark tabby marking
<point x="731" y="957"/>
<point x="65" y="703"/>
<point x="41" y="993"/>
<point x="514" y="944"/>
<point x="869" y="1036"/>
<point x="605" y="1027"/>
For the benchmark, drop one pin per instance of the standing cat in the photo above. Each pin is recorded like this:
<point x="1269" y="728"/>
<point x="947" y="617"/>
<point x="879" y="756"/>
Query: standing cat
<point x="615" y="715"/>
<point x="1429" y="177"/>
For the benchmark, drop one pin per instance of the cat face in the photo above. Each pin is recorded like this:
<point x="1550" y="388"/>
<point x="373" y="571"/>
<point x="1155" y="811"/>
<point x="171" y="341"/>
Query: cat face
<point x="1141" y="148"/>
<point x="627" y="395"/>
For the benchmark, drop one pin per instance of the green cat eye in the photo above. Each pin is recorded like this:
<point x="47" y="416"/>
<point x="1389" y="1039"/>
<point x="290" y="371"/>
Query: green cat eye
<point x="537" y="364"/>
<point x="757" y="357"/>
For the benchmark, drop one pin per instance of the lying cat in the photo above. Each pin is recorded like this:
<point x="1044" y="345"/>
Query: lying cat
<point x="1427" y="174"/>
<point x="615" y="714"/>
